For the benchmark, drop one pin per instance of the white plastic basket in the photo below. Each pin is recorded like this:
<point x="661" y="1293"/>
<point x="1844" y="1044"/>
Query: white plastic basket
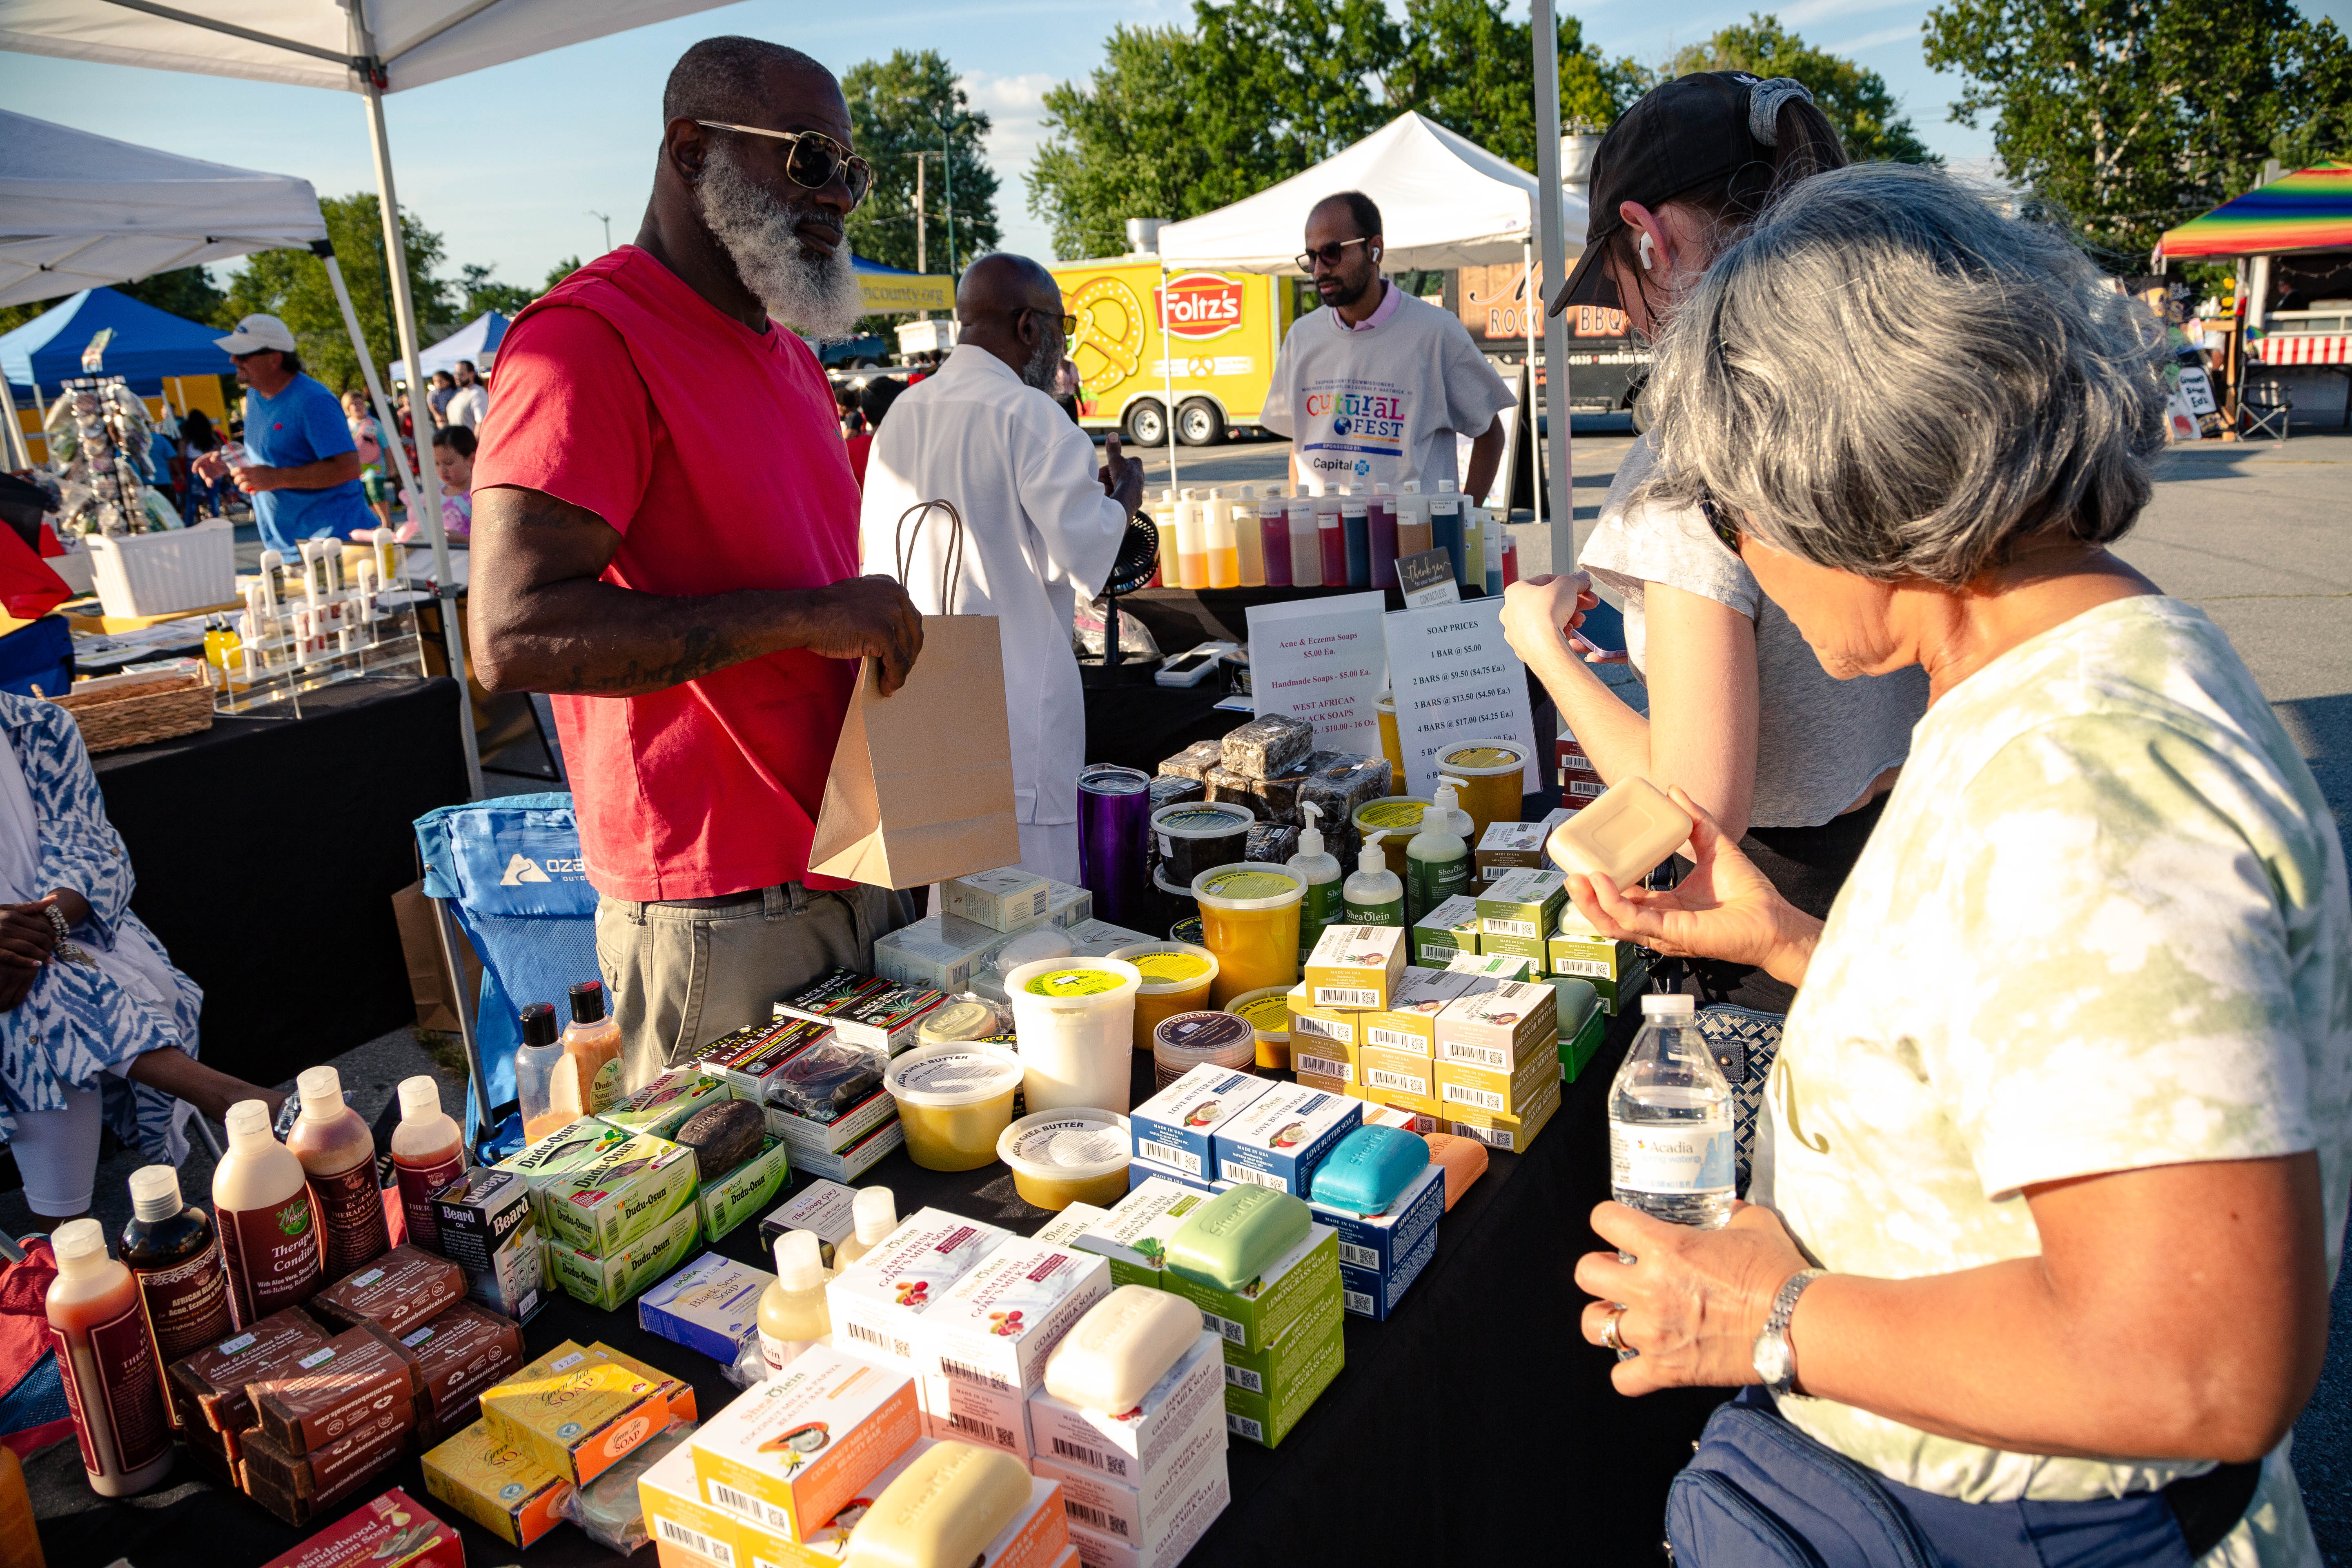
<point x="160" y="573"/>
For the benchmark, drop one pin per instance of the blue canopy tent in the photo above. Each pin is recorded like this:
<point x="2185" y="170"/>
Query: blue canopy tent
<point x="476" y="341"/>
<point x="148" y="345"/>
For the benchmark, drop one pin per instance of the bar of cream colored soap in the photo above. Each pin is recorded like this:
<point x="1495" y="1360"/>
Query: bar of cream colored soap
<point x="1126" y="1342"/>
<point x="943" y="1509"/>
<point x="1624" y="834"/>
<point x="1234" y="1237"/>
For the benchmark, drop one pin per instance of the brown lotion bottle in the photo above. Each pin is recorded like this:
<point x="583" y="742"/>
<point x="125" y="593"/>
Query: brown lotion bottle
<point x="592" y="1054"/>
<point x="174" y="1254"/>
<point x="338" y="1154"/>
<point x="268" y="1235"/>
<point x="428" y="1152"/>
<point x="111" y="1379"/>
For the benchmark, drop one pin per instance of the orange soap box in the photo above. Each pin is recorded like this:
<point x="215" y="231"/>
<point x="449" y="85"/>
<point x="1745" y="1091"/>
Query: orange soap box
<point x="790" y="1452"/>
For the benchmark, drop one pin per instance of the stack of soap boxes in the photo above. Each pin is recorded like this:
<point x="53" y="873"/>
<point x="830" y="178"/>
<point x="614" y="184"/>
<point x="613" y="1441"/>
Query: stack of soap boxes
<point x="616" y="1209"/>
<point x="978" y="914"/>
<point x="748" y="1060"/>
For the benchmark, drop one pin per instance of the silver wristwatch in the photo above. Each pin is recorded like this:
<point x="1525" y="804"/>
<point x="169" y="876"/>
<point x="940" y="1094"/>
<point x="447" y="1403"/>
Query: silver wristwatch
<point x="1775" y="1358"/>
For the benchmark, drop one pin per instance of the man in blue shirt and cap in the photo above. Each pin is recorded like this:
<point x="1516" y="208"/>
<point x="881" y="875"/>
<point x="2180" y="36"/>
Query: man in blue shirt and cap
<point x="304" y="476"/>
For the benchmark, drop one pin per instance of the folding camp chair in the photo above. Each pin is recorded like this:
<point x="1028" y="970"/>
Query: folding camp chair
<point x="508" y="873"/>
<point x="2265" y="408"/>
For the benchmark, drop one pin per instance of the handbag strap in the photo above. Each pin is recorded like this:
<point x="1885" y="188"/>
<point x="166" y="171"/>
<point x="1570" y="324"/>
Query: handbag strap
<point x="950" y="560"/>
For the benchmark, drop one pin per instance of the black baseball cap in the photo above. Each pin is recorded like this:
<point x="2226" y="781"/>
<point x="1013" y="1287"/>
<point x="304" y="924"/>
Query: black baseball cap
<point x="1684" y="132"/>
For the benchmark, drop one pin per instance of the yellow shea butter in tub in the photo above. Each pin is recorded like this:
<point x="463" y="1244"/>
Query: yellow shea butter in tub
<point x="1268" y="1013"/>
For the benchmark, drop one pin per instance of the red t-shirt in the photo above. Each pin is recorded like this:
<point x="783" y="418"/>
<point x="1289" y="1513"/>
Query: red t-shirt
<point x="715" y="452"/>
<point x="857" y="446"/>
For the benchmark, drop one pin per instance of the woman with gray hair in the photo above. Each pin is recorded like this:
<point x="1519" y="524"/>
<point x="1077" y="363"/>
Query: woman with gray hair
<point x="2056" y="1174"/>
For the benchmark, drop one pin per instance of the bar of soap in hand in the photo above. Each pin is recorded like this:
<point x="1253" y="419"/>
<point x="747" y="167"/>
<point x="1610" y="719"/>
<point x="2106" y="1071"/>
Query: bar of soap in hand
<point x="1125" y="1343"/>
<point x="943" y="1509"/>
<point x="1623" y="836"/>
<point x="1236" y="1236"/>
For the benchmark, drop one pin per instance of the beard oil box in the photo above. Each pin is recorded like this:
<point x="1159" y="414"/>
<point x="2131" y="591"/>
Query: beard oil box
<point x="1382" y="1255"/>
<point x="1280" y="1137"/>
<point x="1150" y="1446"/>
<point x="1446" y="932"/>
<point x="1174" y="1127"/>
<point x="789" y="1453"/>
<point x="982" y="1346"/>
<point x="490" y="1228"/>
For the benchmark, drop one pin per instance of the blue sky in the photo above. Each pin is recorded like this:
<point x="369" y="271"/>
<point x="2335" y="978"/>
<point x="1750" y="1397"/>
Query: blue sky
<point x="508" y="162"/>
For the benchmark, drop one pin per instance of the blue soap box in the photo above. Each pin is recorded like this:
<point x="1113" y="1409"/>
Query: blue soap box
<point x="1280" y="1137"/>
<point x="1177" y="1127"/>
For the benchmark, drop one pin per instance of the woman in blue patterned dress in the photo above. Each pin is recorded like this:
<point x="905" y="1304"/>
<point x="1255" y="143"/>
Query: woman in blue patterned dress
<point x="94" y="1021"/>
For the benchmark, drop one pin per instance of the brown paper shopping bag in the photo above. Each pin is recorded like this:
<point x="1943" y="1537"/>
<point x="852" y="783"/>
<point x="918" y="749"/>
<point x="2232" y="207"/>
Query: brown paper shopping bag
<point x="921" y="786"/>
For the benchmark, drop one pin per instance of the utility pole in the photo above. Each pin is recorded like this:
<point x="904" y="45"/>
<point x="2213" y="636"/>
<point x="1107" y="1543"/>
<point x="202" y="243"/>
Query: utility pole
<point x="920" y="256"/>
<point x="607" y="220"/>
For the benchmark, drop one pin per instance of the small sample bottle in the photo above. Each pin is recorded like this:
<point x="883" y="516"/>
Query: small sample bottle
<point x="1163" y="518"/>
<point x="112" y="1380"/>
<point x="1375" y="895"/>
<point x="268" y="1229"/>
<point x="1331" y="548"/>
<point x="1382" y="524"/>
<point x="428" y="1152"/>
<point x="1273" y="538"/>
<point x="1225" y="549"/>
<point x="591" y="1051"/>
<point x="1445" y="529"/>
<point x="1356" y="533"/>
<point x="1436" y="860"/>
<point x="1249" y="542"/>
<point x="1191" y="547"/>
<point x="874" y="1215"/>
<point x="1325" y="896"/>
<point x="338" y="1154"/>
<point x="1413" y="518"/>
<point x="792" y="1314"/>
<point x="1306" y="556"/>
<point x="535" y="1062"/>
<point x="174" y="1254"/>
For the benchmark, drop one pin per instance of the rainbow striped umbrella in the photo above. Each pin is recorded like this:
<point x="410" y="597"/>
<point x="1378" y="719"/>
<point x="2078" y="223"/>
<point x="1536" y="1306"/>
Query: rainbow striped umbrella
<point x="2310" y="209"/>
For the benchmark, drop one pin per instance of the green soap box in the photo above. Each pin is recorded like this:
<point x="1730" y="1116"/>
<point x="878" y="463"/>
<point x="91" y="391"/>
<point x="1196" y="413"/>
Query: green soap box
<point x="1581" y="1023"/>
<point x="739" y="1194"/>
<point x="1134" y="1238"/>
<point x="1271" y="1372"/>
<point x="1450" y="928"/>
<point x="1522" y="903"/>
<point x="601" y="1205"/>
<point x="607" y="1283"/>
<point x="1267" y="1419"/>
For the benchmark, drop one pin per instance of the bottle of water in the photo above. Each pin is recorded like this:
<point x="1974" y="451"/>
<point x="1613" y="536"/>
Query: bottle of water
<point x="1670" y="1122"/>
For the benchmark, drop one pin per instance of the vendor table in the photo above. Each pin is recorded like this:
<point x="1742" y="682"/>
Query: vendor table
<point x="1474" y="1425"/>
<point x="267" y="851"/>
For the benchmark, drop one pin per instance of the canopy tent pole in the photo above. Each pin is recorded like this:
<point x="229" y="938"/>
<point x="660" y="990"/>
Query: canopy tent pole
<point x="17" y="451"/>
<point x="1530" y="308"/>
<point x="1553" y="222"/>
<point x="428" y="481"/>
<point x="324" y="250"/>
<point x="1168" y="379"/>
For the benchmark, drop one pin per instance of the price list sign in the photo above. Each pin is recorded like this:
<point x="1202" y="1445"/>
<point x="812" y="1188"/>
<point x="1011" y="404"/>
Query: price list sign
<point x="1455" y="678"/>
<point x="1322" y="660"/>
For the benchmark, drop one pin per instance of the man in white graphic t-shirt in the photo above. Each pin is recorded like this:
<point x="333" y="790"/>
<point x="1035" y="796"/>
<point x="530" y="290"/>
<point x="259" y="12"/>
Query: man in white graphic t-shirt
<point x="1373" y="389"/>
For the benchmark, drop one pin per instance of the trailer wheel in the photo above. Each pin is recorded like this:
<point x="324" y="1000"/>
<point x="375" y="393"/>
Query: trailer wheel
<point x="1198" y="423"/>
<point x="1146" y="424"/>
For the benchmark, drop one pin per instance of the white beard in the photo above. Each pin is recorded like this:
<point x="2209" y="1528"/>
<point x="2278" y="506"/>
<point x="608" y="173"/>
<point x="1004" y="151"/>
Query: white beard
<point x="1044" y="366"/>
<point x="811" y="291"/>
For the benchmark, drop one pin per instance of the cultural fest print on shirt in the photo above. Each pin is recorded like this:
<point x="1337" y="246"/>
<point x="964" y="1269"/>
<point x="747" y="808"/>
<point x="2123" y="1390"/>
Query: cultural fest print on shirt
<point x="1350" y="422"/>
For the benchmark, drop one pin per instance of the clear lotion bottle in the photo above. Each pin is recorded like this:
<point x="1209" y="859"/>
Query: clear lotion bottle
<point x="872" y="1214"/>
<point x="1326" y="901"/>
<point x="792" y="1314"/>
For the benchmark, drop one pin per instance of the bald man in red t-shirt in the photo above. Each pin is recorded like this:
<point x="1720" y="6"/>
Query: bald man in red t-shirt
<point x="666" y="539"/>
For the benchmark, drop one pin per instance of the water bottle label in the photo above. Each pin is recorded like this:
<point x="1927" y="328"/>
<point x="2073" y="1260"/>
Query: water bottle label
<point x="1691" y="1157"/>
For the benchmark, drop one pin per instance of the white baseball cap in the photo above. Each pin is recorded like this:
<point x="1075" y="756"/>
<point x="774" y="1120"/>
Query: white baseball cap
<point x="257" y="333"/>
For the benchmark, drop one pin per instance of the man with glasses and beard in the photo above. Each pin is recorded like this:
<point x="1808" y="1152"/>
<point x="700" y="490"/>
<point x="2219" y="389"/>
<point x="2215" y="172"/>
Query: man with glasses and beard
<point x="666" y="540"/>
<point x="1042" y="523"/>
<point x="1372" y="388"/>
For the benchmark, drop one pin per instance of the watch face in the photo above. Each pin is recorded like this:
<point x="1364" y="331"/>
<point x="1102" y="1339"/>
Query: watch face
<point x="1774" y="1363"/>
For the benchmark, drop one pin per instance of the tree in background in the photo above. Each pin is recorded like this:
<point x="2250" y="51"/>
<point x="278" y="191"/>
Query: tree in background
<point x="1856" y="101"/>
<point x="1178" y="122"/>
<point x="559" y="271"/>
<point x="187" y="292"/>
<point x="482" y="293"/>
<point x="292" y="286"/>
<point x="2136" y="115"/>
<point x="898" y="107"/>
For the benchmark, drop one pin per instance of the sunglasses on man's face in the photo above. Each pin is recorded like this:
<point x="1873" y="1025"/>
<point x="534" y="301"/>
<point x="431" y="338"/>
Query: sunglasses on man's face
<point x="1069" y="323"/>
<point x="812" y="158"/>
<point x="1719" y="520"/>
<point x="1329" y="255"/>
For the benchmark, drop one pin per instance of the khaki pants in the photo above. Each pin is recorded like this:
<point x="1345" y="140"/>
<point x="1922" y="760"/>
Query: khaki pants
<point x="679" y="977"/>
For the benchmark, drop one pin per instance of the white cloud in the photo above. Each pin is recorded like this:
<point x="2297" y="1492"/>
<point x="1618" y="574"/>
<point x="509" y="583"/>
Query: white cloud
<point x="1874" y="40"/>
<point x="1016" y="106"/>
<point x="1805" y="11"/>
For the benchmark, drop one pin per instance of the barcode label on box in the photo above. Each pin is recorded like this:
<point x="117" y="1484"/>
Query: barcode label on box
<point x="1346" y="996"/>
<point x="986" y="1431"/>
<point x="1235" y="1333"/>
<point x="1245" y="1426"/>
<point x="1398" y="1039"/>
<point x="1169" y="1154"/>
<point x="1322" y="1066"/>
<point x="1307" y="1023"/>
<point x="1477" y="1055"/>
<point x="1095" y="1518"/>
<point x="1485" y="1099"/>
<point x="1439" y="952"/>
<point x="1091" y="1459"/>
<point x="1356" y="1301"/>
<point x="1589" y="791"/>
<point x="1582" y="966"/>
<point x="1510" y="928"/>
<point x="1380" y="1077"/>
<point x="881" y="1340"/>
<point x="1243" y="1377"/>
<point x="1360" y="1256"/>
<point x="1500" y="1138"/>
<point x="1234" y="1172"/>
<point x="694" y="1541"/>
<point x="751" y="1508"/>
<point x="971" y="1374"/>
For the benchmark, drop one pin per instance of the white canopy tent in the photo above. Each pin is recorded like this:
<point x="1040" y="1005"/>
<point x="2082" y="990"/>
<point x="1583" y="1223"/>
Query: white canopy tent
<point x="365" y="46"/>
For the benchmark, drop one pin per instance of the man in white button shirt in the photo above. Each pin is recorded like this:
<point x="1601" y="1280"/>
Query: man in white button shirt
<point x="1042" y="524"/>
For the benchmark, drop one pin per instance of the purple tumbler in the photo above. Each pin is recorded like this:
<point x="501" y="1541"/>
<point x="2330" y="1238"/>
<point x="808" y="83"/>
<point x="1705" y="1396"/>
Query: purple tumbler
<point x="1114" y="842"/>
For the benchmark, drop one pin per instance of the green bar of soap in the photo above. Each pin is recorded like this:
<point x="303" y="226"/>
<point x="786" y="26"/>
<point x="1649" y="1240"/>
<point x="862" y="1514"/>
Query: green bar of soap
<point x="1236" y="1236"/>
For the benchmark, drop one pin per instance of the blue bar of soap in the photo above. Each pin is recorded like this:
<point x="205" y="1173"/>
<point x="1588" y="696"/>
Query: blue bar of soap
<point x="1369" y="1169"/>
<point x="1237" y="1235"/>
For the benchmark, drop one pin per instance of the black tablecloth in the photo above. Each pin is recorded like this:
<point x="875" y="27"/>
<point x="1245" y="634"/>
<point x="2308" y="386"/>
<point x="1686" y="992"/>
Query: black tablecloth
<point x="1474" y="1426"/>
<point x="268" y="851"/>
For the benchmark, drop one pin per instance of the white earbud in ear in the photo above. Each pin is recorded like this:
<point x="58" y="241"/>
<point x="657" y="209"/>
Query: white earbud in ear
<point x="1646" y="251"/>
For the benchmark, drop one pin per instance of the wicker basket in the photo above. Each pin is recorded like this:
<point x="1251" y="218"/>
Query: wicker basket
<point x="119" y="710"/>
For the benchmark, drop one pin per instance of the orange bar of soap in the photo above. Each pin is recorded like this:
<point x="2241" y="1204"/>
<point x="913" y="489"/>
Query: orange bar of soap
<point x="1464" y="1160"/>
<point x="1624" y="834"/>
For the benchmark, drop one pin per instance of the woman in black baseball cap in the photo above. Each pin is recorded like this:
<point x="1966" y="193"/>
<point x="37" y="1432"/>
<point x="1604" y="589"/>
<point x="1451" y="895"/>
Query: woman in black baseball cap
<point x="1792" y="763"/>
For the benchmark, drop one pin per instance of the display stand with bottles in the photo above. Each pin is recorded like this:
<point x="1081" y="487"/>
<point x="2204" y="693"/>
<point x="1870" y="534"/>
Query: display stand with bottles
<point x="310" y="624"/>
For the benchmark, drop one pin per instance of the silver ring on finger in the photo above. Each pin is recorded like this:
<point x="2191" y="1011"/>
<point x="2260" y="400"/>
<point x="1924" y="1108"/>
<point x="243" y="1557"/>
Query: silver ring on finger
<point x="1613" y="1336"/>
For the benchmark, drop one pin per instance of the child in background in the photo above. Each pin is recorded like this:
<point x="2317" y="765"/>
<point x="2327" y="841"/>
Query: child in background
<point x="453" y="460"/>
<point x="366" y="436"/>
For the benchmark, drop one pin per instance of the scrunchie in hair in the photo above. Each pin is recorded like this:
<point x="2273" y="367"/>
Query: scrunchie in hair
<point x="1764" y="101"/>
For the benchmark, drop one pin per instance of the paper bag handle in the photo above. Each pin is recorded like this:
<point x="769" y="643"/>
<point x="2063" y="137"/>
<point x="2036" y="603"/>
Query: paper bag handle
<point x="951" y="563"/>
